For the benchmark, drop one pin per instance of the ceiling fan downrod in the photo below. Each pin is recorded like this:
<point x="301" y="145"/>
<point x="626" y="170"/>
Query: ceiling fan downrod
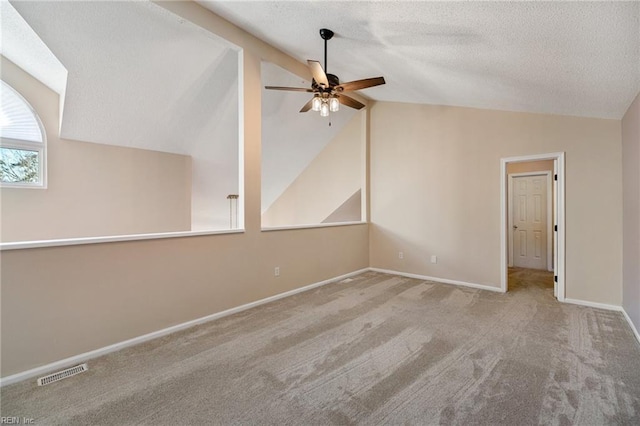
<point x="326" y="34"/>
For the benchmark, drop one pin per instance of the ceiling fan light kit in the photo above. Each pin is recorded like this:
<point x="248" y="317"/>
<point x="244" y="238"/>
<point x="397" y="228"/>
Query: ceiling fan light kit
<point x="324" y="110"/>
<point x="327" y="91"/>
<point x="334" y="105"/>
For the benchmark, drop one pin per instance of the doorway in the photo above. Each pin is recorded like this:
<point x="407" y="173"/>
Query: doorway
<point x="539" y="246"/>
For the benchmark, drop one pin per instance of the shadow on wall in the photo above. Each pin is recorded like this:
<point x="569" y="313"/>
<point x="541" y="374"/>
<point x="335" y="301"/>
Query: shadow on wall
<point x="205" y="125"/>
<point x="329" y="188"/>
<point x="349" y="211"/>
<point x="93" y="189"/>
<point x="291" y="140"/>
<point x="215" y="152"/>
<point x="122" y="190"/>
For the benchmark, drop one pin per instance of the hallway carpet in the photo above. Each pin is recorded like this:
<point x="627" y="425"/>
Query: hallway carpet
<point x="378" y="349"/>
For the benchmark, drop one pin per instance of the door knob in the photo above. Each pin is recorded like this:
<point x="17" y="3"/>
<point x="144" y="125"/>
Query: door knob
<point x="515" y="227"/>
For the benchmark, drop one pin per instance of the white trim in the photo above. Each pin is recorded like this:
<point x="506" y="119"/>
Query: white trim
<point x="608" y="308"/>
<point x="593" y="304"/>
<point x="504" y="256"/>
<point x="631" y="324"/>
<point x="549" y="224"/>
<point x="98" y="240"/>
<point x="560" y="210"/>
<point x="40" y="146"/>
<point x="555" y="222"/>
<point x="439" y="280"/>
<point x="316" y="225"/>
<point x="509" y="196"/>
<point x="135" y="237"/>
<point x="241" y="141"/>
<point x="364" y="163"/>
<point x="18" y="377"/>
<point x="534" y="157"/>
<point x="41" y="149"/>
<point x="561" y="234"/>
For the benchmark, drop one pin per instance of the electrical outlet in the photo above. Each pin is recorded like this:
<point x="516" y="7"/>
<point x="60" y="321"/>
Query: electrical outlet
<point x="400" y="255"/>
<point x="434" y="259"/>
<point x="276" y="271"/>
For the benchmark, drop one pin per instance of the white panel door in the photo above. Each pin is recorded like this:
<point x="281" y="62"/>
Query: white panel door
<point x="530" y="221"/>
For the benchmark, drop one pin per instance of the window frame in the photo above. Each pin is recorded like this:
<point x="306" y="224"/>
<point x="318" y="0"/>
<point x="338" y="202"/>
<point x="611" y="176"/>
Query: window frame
<point x="22" y="145"/>
<point x="26" y="145"/>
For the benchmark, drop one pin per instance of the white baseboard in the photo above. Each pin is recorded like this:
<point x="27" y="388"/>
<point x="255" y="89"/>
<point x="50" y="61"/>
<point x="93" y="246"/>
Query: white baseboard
<point x="18" y="377"/>
<point x="45" y="369"/>
<point x="631" y="324"/>
<point x="593" y="304"/>
<point x="609" y="308"/>
<point x="439" y="280"/>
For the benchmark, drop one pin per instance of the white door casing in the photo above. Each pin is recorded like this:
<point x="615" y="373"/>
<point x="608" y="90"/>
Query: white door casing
<point x="530" y="220"/>
<point x="559" y="221"/>
<point x="555" y="227"/>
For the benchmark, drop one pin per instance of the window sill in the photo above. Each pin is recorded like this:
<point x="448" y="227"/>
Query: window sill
<point x="9" y="185"/>
<point x="317" y="225"/>
<point x="18" y="245"/>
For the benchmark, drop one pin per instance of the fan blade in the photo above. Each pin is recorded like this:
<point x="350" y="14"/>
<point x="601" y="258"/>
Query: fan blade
<point x="292" y="89"/>
<point x="318" y="73"/>
<point x="307" y="106"/>
<point x="350" y="102"/>
<point x="360" y="84"/>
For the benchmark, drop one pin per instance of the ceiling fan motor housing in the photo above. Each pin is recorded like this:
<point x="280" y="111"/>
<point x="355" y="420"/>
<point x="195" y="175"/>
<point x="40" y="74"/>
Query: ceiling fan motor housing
<point x="329" y="94"/>
<point x="333" y="82"/>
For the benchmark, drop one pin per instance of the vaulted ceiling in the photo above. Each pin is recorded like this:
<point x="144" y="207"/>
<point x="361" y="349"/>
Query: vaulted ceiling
<point x="137" y="75"/>
<point x="134" y="74"/>
<point x="573" y="58"/>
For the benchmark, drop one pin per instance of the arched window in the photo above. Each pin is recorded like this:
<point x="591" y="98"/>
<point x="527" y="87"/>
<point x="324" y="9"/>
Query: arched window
<point x="22" y="141"/>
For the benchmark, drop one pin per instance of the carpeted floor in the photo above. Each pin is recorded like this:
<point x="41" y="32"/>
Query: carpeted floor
<point x="379" y="349"/>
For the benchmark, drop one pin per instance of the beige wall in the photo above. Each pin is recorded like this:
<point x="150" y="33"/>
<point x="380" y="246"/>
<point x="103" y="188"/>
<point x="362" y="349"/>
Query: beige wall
<point x="93" y="189"/>
<point x="349" y="211"/>
<point x="435" y="180"/>
<point x="329" y="180"/>
<point x="62" y="301"/>
<point x="631" y="212"/>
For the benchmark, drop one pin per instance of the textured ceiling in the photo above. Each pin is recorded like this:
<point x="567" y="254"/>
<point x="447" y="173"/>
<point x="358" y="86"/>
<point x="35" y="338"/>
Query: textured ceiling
<point x="137" y="75"/>
<point x="20" y="44"/>
<point x="573" y="58"/>
<point x="140" y="76"/>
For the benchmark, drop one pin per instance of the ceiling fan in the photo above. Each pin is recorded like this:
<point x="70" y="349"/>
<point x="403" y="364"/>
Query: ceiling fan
<point x="328" y="92"/>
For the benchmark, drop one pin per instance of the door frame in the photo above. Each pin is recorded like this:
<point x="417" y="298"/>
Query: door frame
<point x="549" y="225"/>
<point x="559" y="264"/>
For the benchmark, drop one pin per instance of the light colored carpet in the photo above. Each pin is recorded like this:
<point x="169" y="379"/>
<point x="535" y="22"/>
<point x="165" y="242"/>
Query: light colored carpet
<point x="380" y="349"/>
